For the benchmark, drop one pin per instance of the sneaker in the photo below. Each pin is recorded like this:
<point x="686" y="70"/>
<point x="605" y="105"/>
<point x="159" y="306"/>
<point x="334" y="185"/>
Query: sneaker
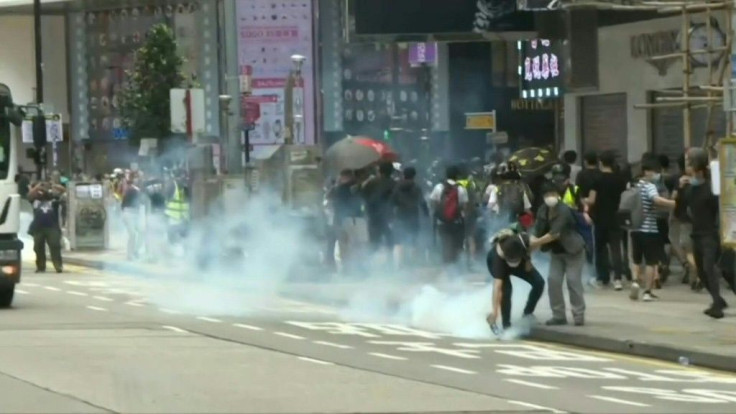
<point x="617" y="285"/>
<point x="714" y="312"/>
<point x="634" y="295"/>
<point x="649" y="297"/>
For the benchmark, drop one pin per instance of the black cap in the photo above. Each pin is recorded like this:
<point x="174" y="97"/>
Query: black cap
<point x="561" y="172"/>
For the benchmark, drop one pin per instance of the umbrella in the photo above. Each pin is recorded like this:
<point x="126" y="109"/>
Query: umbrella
<point x="354" y="153"/>
<point x="533" y="160"/>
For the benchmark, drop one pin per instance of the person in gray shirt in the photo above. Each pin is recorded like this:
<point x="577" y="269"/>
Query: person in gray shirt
<point x="556" y="232"/>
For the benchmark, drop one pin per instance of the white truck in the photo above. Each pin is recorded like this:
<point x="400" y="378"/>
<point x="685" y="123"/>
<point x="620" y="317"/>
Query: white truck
<point x="10" y="245"/>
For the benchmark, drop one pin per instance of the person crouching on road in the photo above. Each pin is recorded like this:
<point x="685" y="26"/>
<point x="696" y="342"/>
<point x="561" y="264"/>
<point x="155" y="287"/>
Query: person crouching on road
<point x="556" y="232"/>
<point x="509" y="255"/>
<point x="45" y="227"/>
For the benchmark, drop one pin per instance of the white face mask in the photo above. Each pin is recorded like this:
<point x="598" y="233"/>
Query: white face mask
<point x="513" y="264"/>
<point x="551" y="201"/>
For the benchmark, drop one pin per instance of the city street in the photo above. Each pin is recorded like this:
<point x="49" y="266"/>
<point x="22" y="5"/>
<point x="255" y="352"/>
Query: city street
<point x="90" y="342"/>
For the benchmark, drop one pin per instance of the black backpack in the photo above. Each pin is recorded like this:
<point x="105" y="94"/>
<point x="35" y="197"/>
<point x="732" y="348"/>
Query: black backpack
<point x="511" y="197"/>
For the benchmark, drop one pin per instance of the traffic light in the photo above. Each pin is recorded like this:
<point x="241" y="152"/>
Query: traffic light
<point x="387" y="135"/>
<point x="39" y="129"/>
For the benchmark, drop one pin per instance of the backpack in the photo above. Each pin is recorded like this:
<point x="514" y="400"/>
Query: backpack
<point x="584" y="229"/>
<point x="511" y="197"/>
<point x="631" y="209"/>
<point x="449" y="209"/>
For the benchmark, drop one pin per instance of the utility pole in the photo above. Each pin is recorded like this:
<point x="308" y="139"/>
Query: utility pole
<point x="39" y="50"/>
<point x="39" y="121"/>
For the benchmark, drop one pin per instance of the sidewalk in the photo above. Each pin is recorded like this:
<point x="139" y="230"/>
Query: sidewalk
<point x="669" y="329"/>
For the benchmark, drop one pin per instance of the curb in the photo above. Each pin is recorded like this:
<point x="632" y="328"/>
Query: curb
<point x="660" y="352"/>
<point x="636" y="348"/>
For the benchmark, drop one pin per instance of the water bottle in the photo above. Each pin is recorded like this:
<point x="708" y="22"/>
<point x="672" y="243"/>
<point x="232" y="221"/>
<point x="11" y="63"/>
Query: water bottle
<point x="684" y="361"/>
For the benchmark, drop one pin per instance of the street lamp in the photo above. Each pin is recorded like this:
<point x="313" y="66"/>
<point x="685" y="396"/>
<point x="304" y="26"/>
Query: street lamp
<point x="295" y="102"/>
<point x="225" y="113"/>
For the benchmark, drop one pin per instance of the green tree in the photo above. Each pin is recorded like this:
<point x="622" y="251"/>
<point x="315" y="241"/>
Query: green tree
<point x="145" y="102"/>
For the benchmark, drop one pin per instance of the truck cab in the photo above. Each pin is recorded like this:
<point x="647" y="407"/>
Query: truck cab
<point x="10" y="245"/>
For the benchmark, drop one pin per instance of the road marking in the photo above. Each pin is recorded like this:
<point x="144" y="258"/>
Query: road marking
<point x="136" y="304"/>
<point x="175" y="329"/>
<point x="453" y="369"/>
<point x="169" y="311"/>
<point x="536" y="407"/>
<point x="288" y="335"/>
<point x="51" y="288"/>
<point x="206" y="319"/>
<point x="75" y="293"/>
<point x="22" y="292"/>
<point x="102" y="298"/>
<point x="316" y="361"/>
<point x="332" y="344"/>
<point x="250" y="327"/>
<point x="618" y="401"/>
<point x="387" y="356"/>
<point x="96" y="308"/>
<point x="30" y="284"/>
<point x="532" y="384"/>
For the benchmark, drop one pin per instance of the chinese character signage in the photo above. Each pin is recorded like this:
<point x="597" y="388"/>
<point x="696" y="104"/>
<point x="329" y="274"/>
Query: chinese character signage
<point x="423" y="54"/>
<point x="540" y="68"/>
<point x="270" y="32"/>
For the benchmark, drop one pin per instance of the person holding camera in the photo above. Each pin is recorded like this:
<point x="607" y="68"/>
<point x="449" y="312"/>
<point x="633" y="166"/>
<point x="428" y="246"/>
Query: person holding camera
<point x="45" y="227"/>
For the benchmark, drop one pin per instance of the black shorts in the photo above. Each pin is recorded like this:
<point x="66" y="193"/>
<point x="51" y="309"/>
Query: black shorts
<point x="646" y="247"/>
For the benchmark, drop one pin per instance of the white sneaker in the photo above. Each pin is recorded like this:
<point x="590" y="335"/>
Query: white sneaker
<point x="617" y="285"/>
<point x="634" y="295"/>
<point x="647" y="297"/>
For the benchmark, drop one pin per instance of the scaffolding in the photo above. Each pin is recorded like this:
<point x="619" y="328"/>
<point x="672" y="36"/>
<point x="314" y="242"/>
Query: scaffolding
<point x="692" y="95"/>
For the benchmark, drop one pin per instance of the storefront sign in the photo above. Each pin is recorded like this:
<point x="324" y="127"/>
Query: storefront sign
<point x="481" y="121"/>
<point x="532" y="105"/>
<point x="423" y="54"/>
<point x="647" y="45"/>
<point x="541" y="68"/>
<point x="270" y="32"/>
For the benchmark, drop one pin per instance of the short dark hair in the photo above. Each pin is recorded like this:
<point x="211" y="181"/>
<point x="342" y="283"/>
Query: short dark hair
<point x="664" y="161"/>
<point x="608" y="159"/>
<point x="386" y="168"/>
<point x="591" y="158"/>
<point x="650" y="164"/>
<point x="410" y="173"/>
<point x="452" y="172"/>
<point x="570" y="156"/>
<point x="550" y="187"/>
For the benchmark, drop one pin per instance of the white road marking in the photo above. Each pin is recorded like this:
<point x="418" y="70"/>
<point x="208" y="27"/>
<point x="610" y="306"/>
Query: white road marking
<point x="30" y="284"/>
<point x="316" y="361"/>
<point x="332" y="344"/>
<point x="175" y="329"/>
<point x="249" y="327"/>
<point x="136" y="304"/>
<point x="453" y="369"/>
<point x="618" y="401"/>
<point x="288" y="335"/>
<point x="22" y="292"/>
<point x="536" y="407"/>
<point x="169" y="311"/>
<point x="75" y="293"/>
<point x="387" y="356"/>
<point x="532" y="384"/>
<point x="51" y="288"/>
<point x="102" y="298"/>
<point x="96" y="308"/>
<point x="207" y="319"/>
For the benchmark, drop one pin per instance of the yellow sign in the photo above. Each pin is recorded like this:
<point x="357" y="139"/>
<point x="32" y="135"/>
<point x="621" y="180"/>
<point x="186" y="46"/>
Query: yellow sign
<point x="727" y="176"/>
<point x="481" y="121"/>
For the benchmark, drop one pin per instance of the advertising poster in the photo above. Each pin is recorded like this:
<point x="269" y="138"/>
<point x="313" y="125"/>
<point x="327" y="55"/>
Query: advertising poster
<point x="727" y="175"/>
<point x="270" y="32"/>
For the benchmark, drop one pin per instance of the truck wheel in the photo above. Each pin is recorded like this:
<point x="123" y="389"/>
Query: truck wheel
<point x="6" y="295"/>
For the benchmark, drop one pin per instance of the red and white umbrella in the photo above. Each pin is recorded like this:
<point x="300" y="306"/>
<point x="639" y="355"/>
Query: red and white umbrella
<point x="354" y="153"/>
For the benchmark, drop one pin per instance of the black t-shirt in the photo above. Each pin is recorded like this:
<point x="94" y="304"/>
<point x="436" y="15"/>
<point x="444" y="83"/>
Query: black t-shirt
<point x="501" y="270"/>
<point x="377" y="195"/>
<point x="586" y="180"/>
<point x="46" y="213"/>
<point x="703" y="210"/>
<point x="608" y="188"/>
<point x="682" y="204"/>
<point x="131" y="198"/>
<point x="347" y="202"/>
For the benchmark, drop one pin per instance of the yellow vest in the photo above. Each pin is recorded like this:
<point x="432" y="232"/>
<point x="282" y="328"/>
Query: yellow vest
<point x="177" y="209"/>
<point x="569" y="197"/>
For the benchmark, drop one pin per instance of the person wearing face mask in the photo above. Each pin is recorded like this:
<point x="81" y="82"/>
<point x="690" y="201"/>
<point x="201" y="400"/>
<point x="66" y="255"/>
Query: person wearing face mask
<point x="509" y="255"/>
<point x="702" y="207"/>
<point x="556" y="232"/>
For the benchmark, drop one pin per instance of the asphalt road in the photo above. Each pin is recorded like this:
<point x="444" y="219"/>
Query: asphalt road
<point x="87" y="342"/>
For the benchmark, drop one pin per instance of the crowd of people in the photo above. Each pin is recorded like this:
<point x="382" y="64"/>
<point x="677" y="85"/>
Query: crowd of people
<point x="599" y="220"/>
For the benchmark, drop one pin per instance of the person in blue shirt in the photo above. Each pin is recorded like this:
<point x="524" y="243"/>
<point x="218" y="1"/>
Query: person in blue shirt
<point x="45" y="227"/>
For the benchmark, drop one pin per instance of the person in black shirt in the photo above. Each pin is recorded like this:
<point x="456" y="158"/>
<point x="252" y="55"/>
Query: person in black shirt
<point x="130" y="206"/>
<point x="377" y="191"/>
<point x="45" y="227"/>
<point x="409" y="203"/>
<point x="680" y="225"/>
<point x="349" y="219"/>
<point x="604" y="198"/>
<point x="587" y="177"/>
<point x="509" y="255"/>
<point x="703" y="211"/>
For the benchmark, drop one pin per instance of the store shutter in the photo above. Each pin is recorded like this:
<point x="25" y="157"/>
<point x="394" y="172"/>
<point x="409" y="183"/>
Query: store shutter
<point x="604" y="123"/>
<point x="667" y="128"/>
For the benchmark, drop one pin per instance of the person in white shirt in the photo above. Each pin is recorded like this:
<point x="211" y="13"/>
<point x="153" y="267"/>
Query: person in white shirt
<point x="449" y="201"/>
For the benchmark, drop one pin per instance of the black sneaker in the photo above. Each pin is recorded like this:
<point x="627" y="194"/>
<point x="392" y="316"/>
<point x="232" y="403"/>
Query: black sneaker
<point x="40" y="270"/>
<point x="715" y="313"/>
<point x="579" y="322"/>
<point x="59" y="270"/>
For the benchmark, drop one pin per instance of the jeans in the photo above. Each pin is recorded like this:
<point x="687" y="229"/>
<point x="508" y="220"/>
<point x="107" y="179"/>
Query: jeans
<point x="566" y="266"/>
<point x="608" y="238"/>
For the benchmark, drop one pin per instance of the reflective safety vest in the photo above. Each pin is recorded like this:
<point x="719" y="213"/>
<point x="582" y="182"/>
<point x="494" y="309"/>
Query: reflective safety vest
<point x="569" y="197"/>
<point x="177" y="209"/>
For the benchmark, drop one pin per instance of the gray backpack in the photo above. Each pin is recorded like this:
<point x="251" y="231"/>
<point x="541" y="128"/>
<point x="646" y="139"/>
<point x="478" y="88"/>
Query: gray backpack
<point x="630" y="208"/>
